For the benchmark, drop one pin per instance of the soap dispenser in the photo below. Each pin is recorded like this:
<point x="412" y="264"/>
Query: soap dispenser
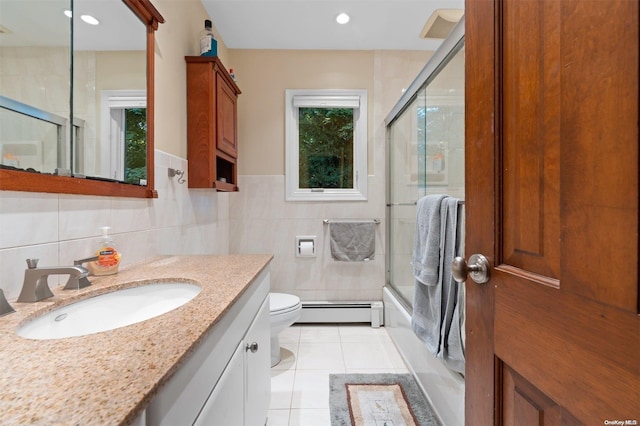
<point x="108" y="256"/>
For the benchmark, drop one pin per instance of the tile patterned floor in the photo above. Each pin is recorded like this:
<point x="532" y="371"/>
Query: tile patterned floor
<point x="300" y="382"/>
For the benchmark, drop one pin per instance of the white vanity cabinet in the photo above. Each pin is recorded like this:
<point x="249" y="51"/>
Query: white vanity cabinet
<point x="226" y="381"/>
<point x="257" y="352"/>
<point x="245" y="382"/>
<point x="225" y="404"/>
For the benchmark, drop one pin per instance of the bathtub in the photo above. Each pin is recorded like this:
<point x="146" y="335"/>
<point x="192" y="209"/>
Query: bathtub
<point x="444" y="388"/>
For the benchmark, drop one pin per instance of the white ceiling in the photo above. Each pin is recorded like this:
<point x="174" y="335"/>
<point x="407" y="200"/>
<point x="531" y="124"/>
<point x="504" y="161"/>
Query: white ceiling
<point x="43" y="23"/>
<point x="243" y="24"/>
<point x="311" y="24"/>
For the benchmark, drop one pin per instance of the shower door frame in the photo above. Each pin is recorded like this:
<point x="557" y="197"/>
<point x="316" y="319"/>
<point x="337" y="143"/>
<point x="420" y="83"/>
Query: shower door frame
<point x="447" y="50"/>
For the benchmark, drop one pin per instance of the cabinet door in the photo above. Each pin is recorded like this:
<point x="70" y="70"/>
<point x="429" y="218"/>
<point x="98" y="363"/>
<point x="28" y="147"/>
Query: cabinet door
<point x="258" y="368"/>
<point x="226" y="100"/>
<point x="224" y="407"/>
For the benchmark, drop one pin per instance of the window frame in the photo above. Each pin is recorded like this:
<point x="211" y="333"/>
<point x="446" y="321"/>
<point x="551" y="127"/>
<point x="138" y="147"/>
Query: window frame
<point x="112" y="147"/>
<point x="326" y="98"/>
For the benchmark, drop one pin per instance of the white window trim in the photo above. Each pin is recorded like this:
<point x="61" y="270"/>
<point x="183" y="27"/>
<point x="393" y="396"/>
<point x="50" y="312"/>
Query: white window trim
<point x="112" y="138"/>
<point x="356" y="99"/>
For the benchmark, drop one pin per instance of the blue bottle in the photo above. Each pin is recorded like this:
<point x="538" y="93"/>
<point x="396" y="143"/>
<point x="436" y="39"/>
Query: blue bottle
<point x="208" y="43"/>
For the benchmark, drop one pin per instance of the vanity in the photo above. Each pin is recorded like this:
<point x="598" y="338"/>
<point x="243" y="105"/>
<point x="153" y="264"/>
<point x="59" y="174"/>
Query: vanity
<point x="206" y="362"/>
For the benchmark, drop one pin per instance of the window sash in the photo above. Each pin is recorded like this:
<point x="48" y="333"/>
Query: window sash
<point x="356" y="99"/>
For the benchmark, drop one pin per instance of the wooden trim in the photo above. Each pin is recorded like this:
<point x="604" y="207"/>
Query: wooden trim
<point x="147" y="13"/>
<point x="482" y="369"/>
<point x="224" y="186"/>
<point x="12" y="180"/>
<point x="151" y="98"/>
<point x="215" y="61"/>
<point x="37" y="182"/>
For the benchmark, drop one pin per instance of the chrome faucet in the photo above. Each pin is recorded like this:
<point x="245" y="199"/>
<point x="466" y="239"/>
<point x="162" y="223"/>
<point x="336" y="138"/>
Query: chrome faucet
<point x="84" y="281"/>
<point x="35" y="286"/>
<point x="5" y="307"/>
<point x="86" y="259"/>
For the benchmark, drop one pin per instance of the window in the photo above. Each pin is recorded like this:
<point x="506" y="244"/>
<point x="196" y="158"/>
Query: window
<point x="124" y="136"/>
<point x="326" y="145"/>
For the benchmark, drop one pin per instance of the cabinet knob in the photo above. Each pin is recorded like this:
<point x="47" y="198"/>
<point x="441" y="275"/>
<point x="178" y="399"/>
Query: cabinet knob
<point x="253" y="347"/>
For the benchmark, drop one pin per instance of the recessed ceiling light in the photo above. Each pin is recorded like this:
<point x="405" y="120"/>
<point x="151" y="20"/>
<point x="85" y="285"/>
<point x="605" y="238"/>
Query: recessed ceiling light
<point x="86" y="18"/>
<point x="342" y="18"/>
<point x="90" y="19"/>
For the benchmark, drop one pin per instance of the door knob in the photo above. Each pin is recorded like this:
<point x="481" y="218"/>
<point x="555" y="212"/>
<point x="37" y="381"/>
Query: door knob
<point x="253" y="347"/>
<point x="477" y="269"/>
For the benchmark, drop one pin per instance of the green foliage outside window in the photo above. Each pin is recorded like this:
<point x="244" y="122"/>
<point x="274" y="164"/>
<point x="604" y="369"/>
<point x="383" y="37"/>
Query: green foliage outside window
<point x="135" y="159"/>
<point x="326" y="147"/>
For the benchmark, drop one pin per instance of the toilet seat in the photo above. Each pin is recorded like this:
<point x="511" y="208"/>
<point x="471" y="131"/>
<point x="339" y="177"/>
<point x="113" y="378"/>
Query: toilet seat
<point x="280" y="303"/>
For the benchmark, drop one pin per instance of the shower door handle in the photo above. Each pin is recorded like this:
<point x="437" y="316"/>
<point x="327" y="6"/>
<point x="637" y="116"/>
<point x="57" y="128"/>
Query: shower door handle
<point x="477" y="269"/>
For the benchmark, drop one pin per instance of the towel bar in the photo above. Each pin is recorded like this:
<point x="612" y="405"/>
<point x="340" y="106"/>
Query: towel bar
<point x="460" y="202"/>
<point x="327" y="221"/>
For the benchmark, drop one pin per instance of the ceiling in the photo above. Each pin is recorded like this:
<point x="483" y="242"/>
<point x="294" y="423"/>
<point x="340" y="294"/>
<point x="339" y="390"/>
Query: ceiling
<point x="242" y="24"/>
<point x="311" y="24"/>
<point x="25" y="22"/>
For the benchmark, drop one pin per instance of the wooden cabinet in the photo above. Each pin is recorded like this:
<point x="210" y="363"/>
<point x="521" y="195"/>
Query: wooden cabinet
<point x="212" y="124"/>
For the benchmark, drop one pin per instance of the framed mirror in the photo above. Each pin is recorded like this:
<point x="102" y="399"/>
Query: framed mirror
<point x="94" y="136"/>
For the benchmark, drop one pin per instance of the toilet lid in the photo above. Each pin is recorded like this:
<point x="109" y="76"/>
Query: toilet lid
<point x="279" y="302"/>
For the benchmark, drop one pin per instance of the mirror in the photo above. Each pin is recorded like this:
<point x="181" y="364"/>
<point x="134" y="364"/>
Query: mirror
<point x="108" y="148"/>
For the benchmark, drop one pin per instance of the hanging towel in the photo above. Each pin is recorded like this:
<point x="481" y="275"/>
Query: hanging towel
<point x="352" y="241"/>
<point x="437" y="308"/>
<point x="427" y="305"/>
<point x="450" y="349"/>
<point x="426" y="247"/>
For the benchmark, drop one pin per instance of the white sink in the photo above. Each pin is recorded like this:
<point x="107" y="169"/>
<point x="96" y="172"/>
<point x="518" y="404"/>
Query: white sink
<point x="109" y="311"/>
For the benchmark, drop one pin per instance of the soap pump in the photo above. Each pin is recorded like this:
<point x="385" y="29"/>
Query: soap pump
<point x="108" y="256"/>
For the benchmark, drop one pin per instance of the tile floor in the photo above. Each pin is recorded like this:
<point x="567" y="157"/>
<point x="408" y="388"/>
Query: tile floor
<point x="300" y="382"/>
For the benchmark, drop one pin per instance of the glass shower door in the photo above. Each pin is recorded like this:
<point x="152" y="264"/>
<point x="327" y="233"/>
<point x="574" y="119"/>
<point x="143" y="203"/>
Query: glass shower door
<point x="407" y="183"/>
<point x="426" y="156"/>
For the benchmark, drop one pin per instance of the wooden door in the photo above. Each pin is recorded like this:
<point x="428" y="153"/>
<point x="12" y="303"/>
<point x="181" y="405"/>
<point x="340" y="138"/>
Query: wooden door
<point x="552" y="201"/>
<point x="227" y="108"/>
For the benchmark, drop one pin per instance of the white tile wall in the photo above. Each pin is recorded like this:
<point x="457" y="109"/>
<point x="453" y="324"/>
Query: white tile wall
<point x="60" y="228"/>
<point x="262" y="221"/>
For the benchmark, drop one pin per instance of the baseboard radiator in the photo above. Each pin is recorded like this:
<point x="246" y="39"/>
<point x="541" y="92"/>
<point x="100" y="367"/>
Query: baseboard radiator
<point x="341" y="312"/>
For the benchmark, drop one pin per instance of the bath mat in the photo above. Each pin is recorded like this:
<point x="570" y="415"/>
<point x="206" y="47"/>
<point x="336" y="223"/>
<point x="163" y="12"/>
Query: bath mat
<point x="378" y="400"/>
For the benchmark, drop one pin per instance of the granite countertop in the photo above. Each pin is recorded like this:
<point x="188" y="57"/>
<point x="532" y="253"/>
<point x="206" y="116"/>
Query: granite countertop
<point x="110" y="377"/>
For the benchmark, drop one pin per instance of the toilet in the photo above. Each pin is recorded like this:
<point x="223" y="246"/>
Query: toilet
<point x="285" y="310"/>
